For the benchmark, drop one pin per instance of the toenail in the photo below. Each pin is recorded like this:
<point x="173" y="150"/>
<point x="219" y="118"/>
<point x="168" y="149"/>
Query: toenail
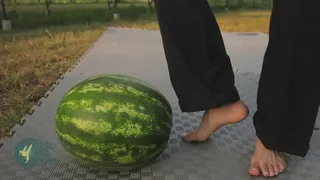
<point x="254" y="169"/>
<point x="265" y="174"/>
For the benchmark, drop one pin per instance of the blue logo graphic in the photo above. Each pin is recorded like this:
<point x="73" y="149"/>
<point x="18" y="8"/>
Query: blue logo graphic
<point x="32" y="152"/>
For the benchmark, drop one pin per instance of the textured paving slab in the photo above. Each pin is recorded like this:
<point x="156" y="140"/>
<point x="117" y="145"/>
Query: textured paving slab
<point x="225" y="156"/>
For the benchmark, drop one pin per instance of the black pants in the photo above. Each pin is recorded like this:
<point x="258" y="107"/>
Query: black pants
<point x="289" y="88"/>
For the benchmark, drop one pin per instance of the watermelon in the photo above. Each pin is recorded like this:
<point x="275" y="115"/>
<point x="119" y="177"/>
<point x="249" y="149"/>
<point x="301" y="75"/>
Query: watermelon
<point x="114" y="121"/>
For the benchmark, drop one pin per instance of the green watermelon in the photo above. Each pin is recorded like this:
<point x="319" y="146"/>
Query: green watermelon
<point x="114" y="122"/>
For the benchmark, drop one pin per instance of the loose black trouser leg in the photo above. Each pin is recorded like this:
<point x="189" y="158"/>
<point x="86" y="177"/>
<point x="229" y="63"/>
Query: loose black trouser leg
<point x="289" y="87"/>
<point x="200" y="69"/>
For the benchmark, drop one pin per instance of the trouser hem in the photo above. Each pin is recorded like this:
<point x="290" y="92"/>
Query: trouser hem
<point x="277" y="145"/>
<point x="211" y="102"/>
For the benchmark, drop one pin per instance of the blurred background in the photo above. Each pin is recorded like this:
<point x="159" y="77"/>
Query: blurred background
<point x="32" y="13"/>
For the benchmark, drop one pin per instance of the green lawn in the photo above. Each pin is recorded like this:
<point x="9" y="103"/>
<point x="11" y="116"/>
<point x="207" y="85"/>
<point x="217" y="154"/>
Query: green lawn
<point x="40" y="48"/>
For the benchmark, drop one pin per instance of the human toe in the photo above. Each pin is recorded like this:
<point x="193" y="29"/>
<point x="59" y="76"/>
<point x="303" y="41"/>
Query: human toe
<point x="254" y="169"/>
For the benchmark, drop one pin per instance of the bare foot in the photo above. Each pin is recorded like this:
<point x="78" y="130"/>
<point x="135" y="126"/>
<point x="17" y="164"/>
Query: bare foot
<point x="269" y="162"/>
<point x="215" y="118"/>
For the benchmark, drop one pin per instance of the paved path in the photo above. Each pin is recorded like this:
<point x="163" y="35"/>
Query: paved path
<point x="139" y="53"/>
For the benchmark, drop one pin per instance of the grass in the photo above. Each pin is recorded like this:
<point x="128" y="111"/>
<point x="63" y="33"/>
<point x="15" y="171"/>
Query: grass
<point x="40" y="49"/>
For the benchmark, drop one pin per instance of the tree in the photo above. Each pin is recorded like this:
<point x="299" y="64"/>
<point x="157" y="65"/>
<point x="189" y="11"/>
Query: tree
<point x="240" y="3"/>
<point x="150" y="2"/>
<point x="48" y="3"/>
<point x="4" y="10"/>
<point x="227" y="5"/>
<point x="6" y="23"/>
<point x="115" y="3"/>
<point x="254" y="3"/>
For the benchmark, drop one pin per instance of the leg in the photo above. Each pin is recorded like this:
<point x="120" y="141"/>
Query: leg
<point x="200" y="69"/>
<point x="288" y="94"/>
<point x="200" y="78"/>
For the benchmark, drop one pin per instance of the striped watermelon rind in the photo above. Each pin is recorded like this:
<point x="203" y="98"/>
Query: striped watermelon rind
<point x="113" y="121"/>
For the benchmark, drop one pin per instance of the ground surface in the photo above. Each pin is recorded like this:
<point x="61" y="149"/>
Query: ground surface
<point x="225" y="156"/>
<point x="32" y="59"/>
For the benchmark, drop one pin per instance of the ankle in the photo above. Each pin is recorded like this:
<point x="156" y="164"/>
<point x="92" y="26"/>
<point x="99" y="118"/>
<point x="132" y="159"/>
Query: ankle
<point x="239" y="109"/>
